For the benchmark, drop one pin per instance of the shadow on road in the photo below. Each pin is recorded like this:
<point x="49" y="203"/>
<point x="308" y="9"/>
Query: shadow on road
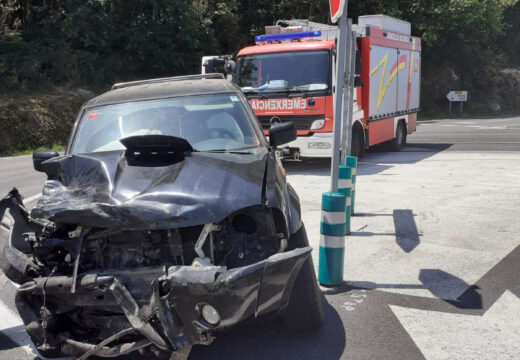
<point x="270" y="340"/>
<point x="441" y="284"/>
<point x="6" y="336"/>
<point x="445" y="286"/>
<point x="406" y="233"/>
<point x="377" y="160"/>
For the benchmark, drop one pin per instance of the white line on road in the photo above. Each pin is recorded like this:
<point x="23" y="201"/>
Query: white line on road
<point x="13" y="327"/>
<point x="512" y="119"/>
<point x="453" y="336"/>
<point x="484" y="127"/>
<point x="428" y="141"/>
<point x="9" y="319"/>
<point x="12" y="157"/>
<point x="32" y="198"/>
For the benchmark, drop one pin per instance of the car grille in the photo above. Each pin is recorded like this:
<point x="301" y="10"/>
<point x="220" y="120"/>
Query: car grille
<point x="302" y="122"/>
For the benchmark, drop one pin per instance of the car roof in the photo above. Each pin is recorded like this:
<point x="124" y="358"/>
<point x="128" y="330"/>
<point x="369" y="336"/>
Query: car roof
<point x="163" y="89"/>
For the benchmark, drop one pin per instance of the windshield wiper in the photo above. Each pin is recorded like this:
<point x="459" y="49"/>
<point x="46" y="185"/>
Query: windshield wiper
<point x="253" y="91"/>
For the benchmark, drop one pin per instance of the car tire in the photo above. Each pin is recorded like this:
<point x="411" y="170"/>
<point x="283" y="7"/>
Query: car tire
<point x="400" y="137"/>
<point x="305" y="310"/>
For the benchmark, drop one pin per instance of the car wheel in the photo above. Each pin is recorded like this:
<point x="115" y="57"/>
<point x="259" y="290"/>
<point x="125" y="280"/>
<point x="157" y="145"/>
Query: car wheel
<point x="304" y="311"/>
<point x="400" y="138"/>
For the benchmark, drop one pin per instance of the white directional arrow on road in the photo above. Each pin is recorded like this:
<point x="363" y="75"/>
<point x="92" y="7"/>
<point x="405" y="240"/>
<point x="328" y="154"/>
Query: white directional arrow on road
<point x="494" y="335"/>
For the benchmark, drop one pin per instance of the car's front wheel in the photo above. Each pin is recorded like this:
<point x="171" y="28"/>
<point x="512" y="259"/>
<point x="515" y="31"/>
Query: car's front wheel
<point x="304" y="311"/>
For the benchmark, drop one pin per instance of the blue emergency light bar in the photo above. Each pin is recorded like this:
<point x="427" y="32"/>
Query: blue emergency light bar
<point x="287" y="36"/>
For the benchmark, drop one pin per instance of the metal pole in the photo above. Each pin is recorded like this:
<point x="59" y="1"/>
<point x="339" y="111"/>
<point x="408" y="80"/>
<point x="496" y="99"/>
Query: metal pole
<point x="346" y="93"/>
<point x="461" y="107"/>
<point x="449" y="110"/>
<point x="351" y="96"/>
<point x="338" y="97"/>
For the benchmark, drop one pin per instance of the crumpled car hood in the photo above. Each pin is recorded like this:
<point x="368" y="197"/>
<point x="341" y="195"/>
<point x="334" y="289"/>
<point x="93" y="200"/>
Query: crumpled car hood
<point x="102" y="190"/>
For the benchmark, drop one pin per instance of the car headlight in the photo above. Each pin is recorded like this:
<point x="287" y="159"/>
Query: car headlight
<point x="210" y="314"/>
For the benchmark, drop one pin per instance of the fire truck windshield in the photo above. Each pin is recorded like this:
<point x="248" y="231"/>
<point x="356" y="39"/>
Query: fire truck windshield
<point x="287" y="71"/>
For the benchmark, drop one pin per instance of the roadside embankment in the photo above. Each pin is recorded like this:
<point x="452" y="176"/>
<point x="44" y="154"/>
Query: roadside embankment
<point x="493" y="92"/>
<point x="31" y="121"/>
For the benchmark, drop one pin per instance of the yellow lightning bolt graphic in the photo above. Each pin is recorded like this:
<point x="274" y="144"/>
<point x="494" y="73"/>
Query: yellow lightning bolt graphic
<point x="382" y="88"/>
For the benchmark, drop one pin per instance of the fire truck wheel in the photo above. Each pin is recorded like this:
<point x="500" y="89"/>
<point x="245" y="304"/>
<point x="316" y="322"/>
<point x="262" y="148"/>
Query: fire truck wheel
<point x="400" y="137"/>
<point x="358" y="143"/>
<point x="304" y="311"/>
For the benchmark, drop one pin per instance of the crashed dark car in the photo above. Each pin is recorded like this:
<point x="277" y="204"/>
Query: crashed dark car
<point x="167" y="221"/>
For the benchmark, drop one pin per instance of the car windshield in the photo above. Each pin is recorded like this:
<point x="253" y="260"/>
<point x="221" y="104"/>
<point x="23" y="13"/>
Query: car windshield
<point x="208" y="122"/>
<point x="298" y="71"/>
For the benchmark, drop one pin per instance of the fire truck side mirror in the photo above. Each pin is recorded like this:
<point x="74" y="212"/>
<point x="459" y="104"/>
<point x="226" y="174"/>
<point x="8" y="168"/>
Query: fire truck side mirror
<point x="358" y="63"/>
<point x="230" y="67"/>
<point x="282" y="133"/>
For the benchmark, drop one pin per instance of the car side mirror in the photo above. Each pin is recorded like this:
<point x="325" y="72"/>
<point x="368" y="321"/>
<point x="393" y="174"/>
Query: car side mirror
<point x="41" y="156"/>
<point x="282" y="133"/>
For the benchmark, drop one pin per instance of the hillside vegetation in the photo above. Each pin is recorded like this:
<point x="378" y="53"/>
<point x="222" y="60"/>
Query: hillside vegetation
<point x="469" y="45"/>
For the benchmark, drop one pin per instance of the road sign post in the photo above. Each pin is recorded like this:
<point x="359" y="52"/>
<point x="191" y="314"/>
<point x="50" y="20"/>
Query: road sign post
<point x="347" y="105"/>
<point x="457" y="96"/>
<point x="338" y="100"/>
<point x="333" y="215"/>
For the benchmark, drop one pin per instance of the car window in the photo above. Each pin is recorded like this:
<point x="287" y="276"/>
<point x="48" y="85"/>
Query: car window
<point x="207" y="122"/>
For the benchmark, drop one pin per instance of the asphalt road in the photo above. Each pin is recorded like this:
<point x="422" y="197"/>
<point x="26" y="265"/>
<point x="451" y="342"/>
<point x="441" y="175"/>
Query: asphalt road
<point x="432" y="264"/>
<point x="502" y="134"/>
<point x="476" y="135"/>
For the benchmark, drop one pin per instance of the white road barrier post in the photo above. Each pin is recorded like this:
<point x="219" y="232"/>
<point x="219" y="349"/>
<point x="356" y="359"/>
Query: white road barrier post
<point x="351" y="162"/>
<point x="345" y="188"/>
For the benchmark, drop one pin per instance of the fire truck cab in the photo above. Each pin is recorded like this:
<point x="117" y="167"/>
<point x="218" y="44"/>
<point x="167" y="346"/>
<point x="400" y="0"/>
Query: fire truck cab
<point x="289" y="75"/>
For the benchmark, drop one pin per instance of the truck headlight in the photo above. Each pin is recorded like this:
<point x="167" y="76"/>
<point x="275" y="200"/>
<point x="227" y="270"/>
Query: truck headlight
<point x="317" y="124"/>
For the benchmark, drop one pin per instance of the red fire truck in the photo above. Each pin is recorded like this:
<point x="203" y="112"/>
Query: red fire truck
<point x="289" y="76"/>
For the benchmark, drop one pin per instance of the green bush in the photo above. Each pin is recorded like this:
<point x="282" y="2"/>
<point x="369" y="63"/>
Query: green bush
<point x="98" y="42"/>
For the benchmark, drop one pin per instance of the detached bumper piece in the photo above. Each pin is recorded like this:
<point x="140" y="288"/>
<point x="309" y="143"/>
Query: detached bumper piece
<point x="156" y="308"/>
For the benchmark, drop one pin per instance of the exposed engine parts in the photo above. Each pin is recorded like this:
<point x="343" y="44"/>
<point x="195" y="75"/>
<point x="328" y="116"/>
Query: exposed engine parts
<point x="242" y="239"/>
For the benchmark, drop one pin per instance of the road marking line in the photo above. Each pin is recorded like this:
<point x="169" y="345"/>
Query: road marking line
<point x="449" y="336"/>
<point x="9" y="319"/>
<point x="489" y="127"/>
<point x="432" y="141"/>
<point x="12" y="157"/>
<point x="32" y="198"/>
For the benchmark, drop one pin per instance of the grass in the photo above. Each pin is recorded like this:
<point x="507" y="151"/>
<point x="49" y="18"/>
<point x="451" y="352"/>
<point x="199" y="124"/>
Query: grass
<point x="57" y="147"/>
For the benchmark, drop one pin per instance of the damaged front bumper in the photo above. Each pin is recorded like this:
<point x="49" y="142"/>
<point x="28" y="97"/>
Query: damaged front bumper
<point x="159" y="307"/>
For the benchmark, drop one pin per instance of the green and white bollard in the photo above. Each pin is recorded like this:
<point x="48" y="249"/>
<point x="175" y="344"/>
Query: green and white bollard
<point x="351" y="162"/>
<point x="332" y="239"/>
<point x="345" y="188"/>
